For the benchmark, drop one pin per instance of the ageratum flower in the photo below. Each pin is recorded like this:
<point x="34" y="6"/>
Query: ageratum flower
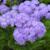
<point x="15" y="7"/>
<point x="27" y="3"/>
<point x="3" y="8"/>
<point x="48" y="6"/>
<point x="42" y="5"/>
<point x="32" y="35"/>
<point x="21" y="18"/>
<point x="9" y="17"/>
<point x="25" y="9"/>
<point x="13" y="17"/>
<point x="3" y="22"/>
<point x="29" y="33"/>
<point x="39" y="28"/>
<point x="43" y="11"/>
<point x="32" y="5"/>
<point x="35" y="2"/>
<point x="47" y="15"/>
<point x="19" y="37"/>
<point x="36" y="15"/>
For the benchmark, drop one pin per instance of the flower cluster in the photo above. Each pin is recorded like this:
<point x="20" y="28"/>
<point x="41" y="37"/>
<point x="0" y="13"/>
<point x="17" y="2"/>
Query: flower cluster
<point x="4" y="9"/>
<point x="26" y="17"/>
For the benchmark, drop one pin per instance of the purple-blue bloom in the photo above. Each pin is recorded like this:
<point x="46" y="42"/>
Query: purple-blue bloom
<point x="33" y="6"/>
<point x="3" y="8"/>
<point x="15" y="7"/>
<point x="24" y="8"/>
<point x="47" y="15"/>
<point x="29" y="33"/>
<point x="35" y="2"/>
<point x="42" y="5"/>
<point x="21" y="19"/>
<point x="32" y="35"/>
<point x="3" y="22"/>
<point x="43" y="11"/>
<point x="36" y="15"/>
<point x="19" y="37"/>
<point x="48" y="6"/>
<point x="39" y="28"/>
<point x="27" y="3"/>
